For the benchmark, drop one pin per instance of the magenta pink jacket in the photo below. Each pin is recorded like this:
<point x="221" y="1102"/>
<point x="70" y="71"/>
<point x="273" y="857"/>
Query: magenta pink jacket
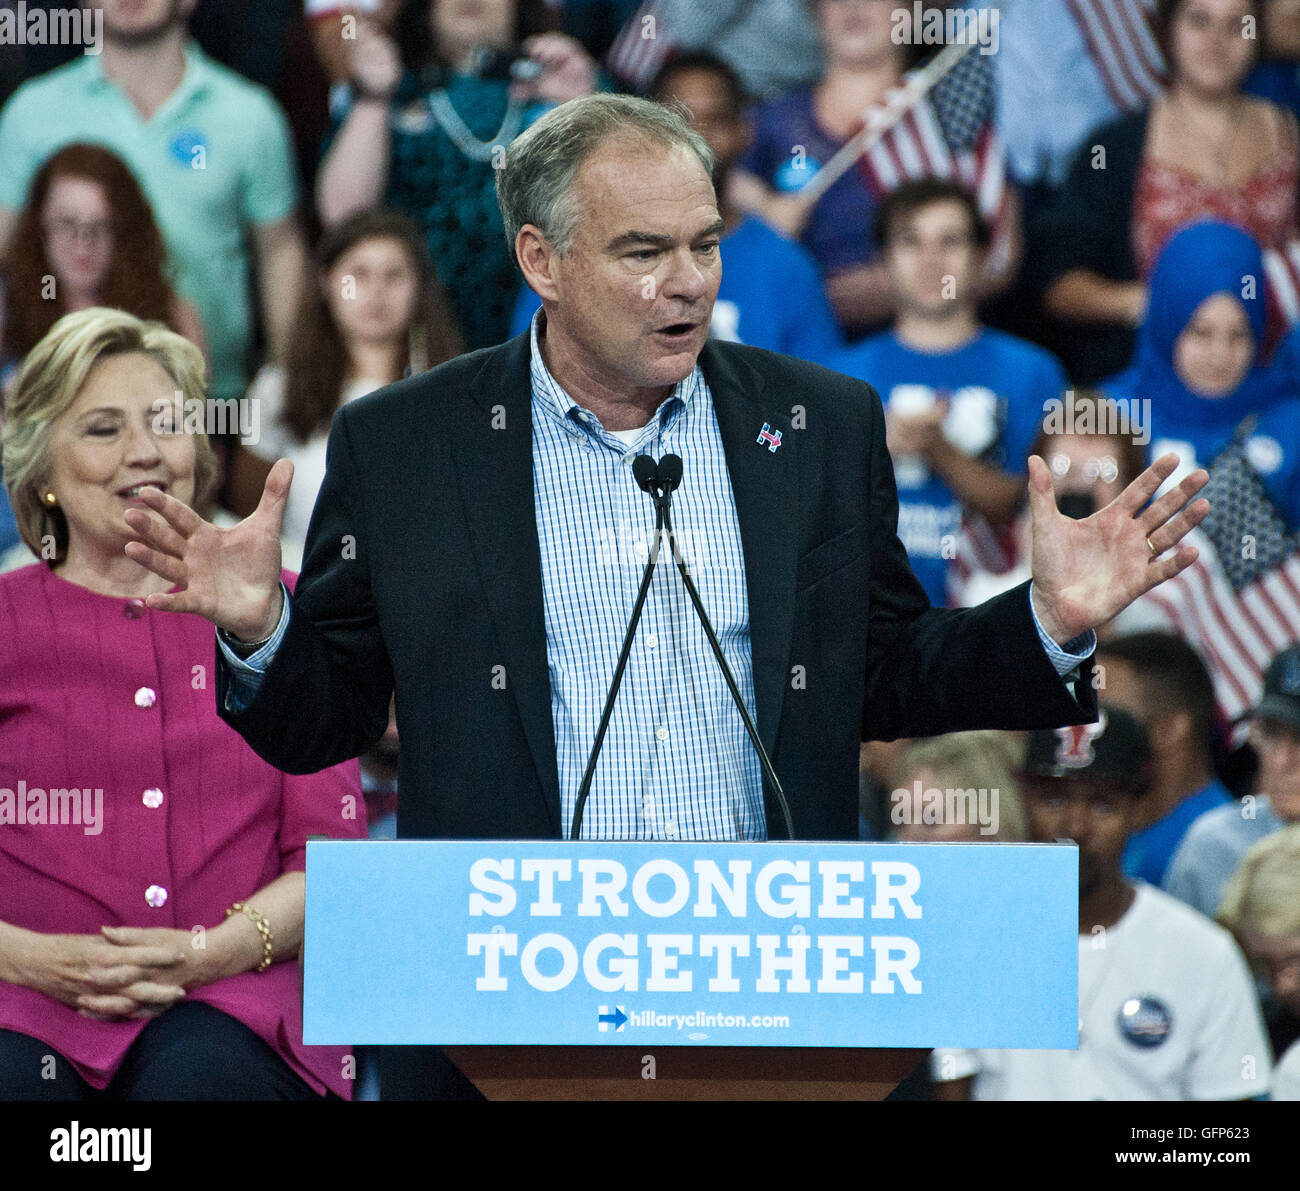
<point x="103" y="693"/>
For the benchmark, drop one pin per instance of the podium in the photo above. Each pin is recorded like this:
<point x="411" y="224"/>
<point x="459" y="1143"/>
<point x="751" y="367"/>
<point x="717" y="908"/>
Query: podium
<point x="684" y="1073"/>
<point x="649" y="971"/>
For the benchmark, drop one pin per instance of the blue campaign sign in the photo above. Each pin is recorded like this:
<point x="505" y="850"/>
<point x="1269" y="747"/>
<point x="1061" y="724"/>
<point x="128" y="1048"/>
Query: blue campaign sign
<point x="737" y="944"/>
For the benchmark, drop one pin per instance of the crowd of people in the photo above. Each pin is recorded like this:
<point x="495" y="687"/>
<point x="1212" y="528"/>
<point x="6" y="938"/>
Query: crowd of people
<point x="1080" y="242"/>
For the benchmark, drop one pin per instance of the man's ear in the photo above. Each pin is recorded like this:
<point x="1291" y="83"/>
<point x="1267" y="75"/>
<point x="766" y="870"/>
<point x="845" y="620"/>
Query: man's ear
<point x="1171" y="732"/>
<point x="536" y="260"/>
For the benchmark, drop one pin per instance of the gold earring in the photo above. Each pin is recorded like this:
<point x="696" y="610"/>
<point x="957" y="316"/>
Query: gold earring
<point x="51" y="499"/>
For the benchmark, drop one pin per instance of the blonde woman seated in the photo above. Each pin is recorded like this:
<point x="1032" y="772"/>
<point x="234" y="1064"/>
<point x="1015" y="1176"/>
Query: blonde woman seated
<point x="152" y="864"/>
<point x="958" y="789"/>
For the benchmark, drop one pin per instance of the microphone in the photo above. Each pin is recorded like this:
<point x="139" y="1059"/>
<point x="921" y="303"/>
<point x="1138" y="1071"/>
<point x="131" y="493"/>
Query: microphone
<point x="670" y="477"/>
<point x="646" y="473"/>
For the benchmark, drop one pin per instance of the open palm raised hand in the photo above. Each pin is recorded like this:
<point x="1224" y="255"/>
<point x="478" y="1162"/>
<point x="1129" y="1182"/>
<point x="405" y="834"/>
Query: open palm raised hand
<point x="1087" y="571"/>
<point x="230" y="576"/>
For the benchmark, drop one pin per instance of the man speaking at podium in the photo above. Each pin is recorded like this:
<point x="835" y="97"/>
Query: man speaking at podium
<point x="479" y="539"/>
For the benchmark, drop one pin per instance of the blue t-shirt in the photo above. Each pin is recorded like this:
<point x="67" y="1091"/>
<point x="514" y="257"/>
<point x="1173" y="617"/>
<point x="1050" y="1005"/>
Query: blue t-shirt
<point x="997" y="387"/>
<point x="1272" y="448"/>
<point x="1286" y="360"/>
<point x="770" y="296"/>
<point x="788" y="148"/>
<point x="1148" y="852"/>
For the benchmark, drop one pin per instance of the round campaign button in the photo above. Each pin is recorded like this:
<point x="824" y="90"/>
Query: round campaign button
<point x="1145" y="1021"/>
<point x="189" y="148"/>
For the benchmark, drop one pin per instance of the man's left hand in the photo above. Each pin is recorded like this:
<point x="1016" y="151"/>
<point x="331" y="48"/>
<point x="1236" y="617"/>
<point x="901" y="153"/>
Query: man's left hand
<point x="1087" y="571"/>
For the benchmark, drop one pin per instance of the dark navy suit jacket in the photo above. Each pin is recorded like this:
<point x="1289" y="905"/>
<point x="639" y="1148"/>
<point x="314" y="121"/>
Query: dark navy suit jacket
<point x="423" y="573"/>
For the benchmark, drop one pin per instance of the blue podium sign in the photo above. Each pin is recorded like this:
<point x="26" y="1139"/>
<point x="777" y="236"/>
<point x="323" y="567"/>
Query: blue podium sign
<point x="735" y="944"/>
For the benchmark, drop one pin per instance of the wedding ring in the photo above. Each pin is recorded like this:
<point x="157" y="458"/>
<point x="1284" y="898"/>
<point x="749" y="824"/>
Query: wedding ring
<point x="1150" y="547"/>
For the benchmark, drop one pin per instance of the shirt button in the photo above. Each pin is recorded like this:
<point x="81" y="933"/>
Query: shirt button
<point x="133" y="609"/>
<point x="661" y="732"/>
<point x="152" y="798"/>
<point x="146" y="697"/>
<point x="652" y="640"/>
<point x="156" y="896"/>
<point x="670" y="827"/>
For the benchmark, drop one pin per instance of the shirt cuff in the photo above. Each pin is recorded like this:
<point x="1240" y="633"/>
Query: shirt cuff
<point x="1065" y="658"/>
<point x="246" y="673"/>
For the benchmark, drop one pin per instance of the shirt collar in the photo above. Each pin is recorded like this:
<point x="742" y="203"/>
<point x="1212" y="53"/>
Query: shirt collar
<point x="196" y="76"/>
<point x="557" y="404"/>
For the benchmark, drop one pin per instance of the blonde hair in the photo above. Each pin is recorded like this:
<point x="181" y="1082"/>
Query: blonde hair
<point x="979" y="760"/>
<point x="52" y="376"/>
<point x="1263" y="895"/>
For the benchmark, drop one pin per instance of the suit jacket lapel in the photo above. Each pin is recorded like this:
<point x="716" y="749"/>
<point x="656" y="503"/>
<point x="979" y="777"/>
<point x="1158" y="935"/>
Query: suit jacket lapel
<point x="763" y="485"/>
<point x="492" y="447"/>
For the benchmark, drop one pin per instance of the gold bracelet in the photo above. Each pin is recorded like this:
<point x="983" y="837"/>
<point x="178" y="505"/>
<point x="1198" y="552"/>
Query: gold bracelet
<point x="263" y="928"/>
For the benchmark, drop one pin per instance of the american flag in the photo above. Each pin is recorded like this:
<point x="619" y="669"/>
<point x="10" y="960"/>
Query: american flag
<point x="950" y="134"/>
<point x="1282" y="267"/>
<point x="1123" y="49"/>
<point x="1238" y="604"/>
<point x="641" y="48"/>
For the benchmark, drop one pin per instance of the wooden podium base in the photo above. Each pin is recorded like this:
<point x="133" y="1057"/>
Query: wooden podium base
<point x="683" y="1072"/>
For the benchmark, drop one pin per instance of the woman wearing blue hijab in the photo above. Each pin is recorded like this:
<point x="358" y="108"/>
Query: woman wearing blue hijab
<point x="1198" y="364"/>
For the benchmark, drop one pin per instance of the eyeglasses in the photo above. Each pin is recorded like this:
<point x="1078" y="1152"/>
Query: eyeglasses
<point x="70" y="231"/>
<point x="1104" y="468"/>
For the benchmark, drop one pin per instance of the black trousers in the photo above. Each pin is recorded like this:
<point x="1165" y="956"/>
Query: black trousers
<point x="190" y="1052"/>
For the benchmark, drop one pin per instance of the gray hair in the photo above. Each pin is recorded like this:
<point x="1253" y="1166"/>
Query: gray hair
<point x="535" y="181"/>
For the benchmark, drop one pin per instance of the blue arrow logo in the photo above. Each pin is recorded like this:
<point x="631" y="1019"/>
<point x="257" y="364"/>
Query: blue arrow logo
<point x="618" y="1019"/>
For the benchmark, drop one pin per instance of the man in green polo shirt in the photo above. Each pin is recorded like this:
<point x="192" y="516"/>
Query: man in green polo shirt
<point x="211" y="150"/>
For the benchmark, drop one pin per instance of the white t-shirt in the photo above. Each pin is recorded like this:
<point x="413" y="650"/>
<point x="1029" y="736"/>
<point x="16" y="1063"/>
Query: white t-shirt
<point x="277" y="441"/>
<point x="1167" y="1011"/>
<point x="1286" y="1076"/>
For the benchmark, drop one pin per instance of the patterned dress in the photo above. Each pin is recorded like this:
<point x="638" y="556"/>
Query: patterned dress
<point x="452" y="197"/>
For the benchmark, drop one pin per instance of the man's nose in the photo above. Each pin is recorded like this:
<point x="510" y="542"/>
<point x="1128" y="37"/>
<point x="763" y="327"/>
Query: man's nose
<point x="686" y="279"/>
<point x="1078" y="820"/>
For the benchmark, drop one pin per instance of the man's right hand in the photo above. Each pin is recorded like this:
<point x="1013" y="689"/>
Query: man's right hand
<point x="230" y="576"/>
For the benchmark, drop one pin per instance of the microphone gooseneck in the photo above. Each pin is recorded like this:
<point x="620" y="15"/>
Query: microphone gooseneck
<point x="670" y="477"/>
<point x="645" y="471"/>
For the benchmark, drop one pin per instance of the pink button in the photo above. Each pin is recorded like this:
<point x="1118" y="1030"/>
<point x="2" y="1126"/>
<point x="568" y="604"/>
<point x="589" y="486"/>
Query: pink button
<point x="145" y="697"/>
<point x="156" y="896"/>
<point x="134" y="609"/>
<point x="152" y="798"/>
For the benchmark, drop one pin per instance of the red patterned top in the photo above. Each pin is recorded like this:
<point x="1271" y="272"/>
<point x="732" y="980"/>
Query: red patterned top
<point x="1167" y="198"/>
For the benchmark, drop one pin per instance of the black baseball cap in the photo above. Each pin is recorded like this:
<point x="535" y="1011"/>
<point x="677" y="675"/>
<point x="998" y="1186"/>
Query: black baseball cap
<point x="1112" y="749"/>
<point x="1281" y="699"/>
